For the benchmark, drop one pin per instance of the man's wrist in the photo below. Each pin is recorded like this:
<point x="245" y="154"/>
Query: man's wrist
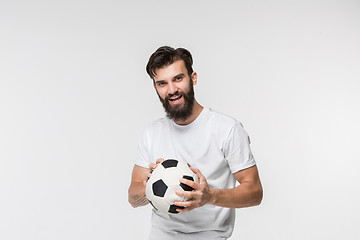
<point x="213" y="196"/>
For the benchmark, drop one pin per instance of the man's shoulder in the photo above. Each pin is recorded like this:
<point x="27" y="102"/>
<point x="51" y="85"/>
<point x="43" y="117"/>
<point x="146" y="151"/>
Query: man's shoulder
<point x="152" y="128"/>
<point x="158" y="123"/>
<point x="222" y="118"/>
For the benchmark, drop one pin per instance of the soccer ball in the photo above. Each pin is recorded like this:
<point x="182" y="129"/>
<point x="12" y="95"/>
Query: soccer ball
<point x="164" y="180"/>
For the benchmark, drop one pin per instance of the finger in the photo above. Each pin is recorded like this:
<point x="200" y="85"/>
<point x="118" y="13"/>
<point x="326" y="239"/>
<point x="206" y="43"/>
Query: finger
<point x="198" y="174"/>
<point x="148" y="172"/>
<point x="186" y="208"/>
<point x="189" y="183"/>
<point x="187" y="194"/>
<point x="185" y="204"/>
<point x="159" y="160"/>
<point x="152" y="165"/>
<point x="182" y="210"/>
<point x="184" y="193"/>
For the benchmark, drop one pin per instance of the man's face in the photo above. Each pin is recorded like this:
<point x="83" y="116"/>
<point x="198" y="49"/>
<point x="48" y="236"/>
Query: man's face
<point x="175" y="90"/>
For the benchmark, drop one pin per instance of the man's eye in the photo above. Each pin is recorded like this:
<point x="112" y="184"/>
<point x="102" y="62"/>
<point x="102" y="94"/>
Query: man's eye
<point x="178" y="78"/>
<point x="160" y="83"/>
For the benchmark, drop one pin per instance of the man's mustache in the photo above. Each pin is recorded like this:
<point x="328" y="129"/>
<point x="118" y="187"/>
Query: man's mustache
<point x="171" y="95"/>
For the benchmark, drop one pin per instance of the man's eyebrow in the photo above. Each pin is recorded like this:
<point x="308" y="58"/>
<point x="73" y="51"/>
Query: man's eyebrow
<point x="159" y="81"/>
<point x="179" y="75"/>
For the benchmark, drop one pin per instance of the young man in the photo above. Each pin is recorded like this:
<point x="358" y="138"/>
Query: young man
<point x="215" y="145"/>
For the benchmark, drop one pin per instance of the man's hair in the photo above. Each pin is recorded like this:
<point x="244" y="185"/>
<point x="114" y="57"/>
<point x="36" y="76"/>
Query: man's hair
<point x="165" y="55"/>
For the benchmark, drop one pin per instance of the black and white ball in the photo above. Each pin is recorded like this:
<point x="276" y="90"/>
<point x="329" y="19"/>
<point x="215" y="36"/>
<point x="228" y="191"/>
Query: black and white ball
<point x="164" y="180"/>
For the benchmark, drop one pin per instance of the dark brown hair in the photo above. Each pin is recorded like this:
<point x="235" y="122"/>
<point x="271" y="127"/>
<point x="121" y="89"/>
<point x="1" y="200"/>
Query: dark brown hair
<point x="165" y="55"/>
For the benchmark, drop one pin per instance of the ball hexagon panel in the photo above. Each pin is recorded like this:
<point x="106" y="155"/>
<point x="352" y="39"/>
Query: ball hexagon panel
<point x="171" y="176"/>
<point x="171" y="196"/>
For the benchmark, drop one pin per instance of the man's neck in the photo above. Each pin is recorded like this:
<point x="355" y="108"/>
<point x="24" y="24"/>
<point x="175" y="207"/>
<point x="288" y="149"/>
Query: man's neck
<point x="197" y="108"/>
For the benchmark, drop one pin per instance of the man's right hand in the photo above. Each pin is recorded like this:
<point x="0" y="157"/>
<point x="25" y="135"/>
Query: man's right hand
<point x="136" y="192"/>
<point x="152" y="166"/>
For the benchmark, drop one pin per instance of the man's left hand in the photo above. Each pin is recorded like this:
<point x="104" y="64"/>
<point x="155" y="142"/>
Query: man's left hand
<point x="201" y="195"/>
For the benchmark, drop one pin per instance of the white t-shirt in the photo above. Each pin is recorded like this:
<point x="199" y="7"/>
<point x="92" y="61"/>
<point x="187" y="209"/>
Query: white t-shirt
<point x="215" y="144"/>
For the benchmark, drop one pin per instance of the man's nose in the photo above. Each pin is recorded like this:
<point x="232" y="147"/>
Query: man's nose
<point x="172" y="88"/>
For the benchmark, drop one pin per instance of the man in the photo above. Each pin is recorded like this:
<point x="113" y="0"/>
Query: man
<point x="215" y="145"/>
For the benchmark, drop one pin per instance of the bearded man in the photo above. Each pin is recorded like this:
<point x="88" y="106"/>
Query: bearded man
<point x="214" y="144"/>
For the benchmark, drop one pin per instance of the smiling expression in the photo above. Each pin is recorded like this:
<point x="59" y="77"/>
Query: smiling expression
<point x="175" y="90"/>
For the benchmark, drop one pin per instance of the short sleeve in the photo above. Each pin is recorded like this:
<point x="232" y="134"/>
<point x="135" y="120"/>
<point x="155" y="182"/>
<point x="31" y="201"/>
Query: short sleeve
<point x="143" y="155"/>
<point x="237" y="149"/>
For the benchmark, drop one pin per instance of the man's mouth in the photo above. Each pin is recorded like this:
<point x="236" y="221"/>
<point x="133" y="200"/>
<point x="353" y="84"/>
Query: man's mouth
<point x="175" y="99"/>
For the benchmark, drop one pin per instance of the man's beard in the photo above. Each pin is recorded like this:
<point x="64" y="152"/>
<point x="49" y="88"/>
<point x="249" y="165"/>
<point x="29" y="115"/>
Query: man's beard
<point x="179" y="113"/>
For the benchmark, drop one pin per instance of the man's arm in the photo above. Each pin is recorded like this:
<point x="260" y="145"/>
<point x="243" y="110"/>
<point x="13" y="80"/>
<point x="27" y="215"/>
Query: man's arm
<point x="136" y="192"/>
<point x="248" y="193"/>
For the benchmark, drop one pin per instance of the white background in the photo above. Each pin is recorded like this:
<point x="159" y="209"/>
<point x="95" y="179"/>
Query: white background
<point x="74" y="97"/>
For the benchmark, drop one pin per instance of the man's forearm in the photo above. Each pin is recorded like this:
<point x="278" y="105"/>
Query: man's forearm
<point x="137" y="195"/>
<point x="244" y="195"/>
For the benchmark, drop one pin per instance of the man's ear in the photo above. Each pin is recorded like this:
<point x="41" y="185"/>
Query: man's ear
<point x="194" y="78"/>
